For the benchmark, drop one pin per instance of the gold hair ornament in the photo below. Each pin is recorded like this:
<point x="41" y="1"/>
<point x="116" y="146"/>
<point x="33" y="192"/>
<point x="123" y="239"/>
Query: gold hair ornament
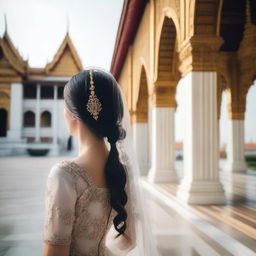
<point x="93" y="105"/>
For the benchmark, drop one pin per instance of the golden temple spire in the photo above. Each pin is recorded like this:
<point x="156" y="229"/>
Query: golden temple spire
<point x="248" y="13"/>
<point x="67" y="24"/>
<point x="5" y="25"/>
<point x="249" y="28"/>
<point x="249" y="34"/>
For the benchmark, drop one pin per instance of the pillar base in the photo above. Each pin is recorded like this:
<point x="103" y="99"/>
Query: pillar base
<point x="140" y="136"/>
<point x="162" y="176"/>
<point x="14" y="134"/>
<point x="201" y="192"/>
<point x="143" y="170"/>
<point x="236" y="166"/>
<point x="55" y="151"/>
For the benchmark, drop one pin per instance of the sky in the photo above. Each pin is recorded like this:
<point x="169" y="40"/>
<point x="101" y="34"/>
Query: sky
<point x="37" y="28"/>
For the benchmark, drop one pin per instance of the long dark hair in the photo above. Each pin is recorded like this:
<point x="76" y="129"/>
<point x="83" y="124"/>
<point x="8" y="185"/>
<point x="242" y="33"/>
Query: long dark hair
<point x="108" y="125"/>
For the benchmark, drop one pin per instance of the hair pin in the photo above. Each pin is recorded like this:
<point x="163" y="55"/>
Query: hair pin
<point x="93" y="105"/>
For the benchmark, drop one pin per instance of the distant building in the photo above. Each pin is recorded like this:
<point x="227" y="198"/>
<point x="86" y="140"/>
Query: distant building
<point x="31" y="99"/>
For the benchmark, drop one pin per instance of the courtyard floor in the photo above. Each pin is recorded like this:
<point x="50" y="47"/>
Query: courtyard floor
<point x="179" y="229"/>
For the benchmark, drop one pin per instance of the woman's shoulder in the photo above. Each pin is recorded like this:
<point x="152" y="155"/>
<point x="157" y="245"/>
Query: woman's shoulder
<point x="66" y="169"/>
<point x="63" y="168"/>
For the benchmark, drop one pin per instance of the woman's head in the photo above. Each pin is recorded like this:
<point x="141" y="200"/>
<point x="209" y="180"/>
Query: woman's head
<point x="102" y="119"/>
<point x="76" y="96"/>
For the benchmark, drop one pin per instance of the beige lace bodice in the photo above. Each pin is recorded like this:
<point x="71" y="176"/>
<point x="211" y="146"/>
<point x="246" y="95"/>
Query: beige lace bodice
<point x="77" y="213"/>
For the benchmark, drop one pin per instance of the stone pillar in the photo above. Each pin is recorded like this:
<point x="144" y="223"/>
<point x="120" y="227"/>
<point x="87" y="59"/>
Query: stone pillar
<point x="16" y="113"/>
<point x="55" y="149"/>
<point x="201" y="184"/>
<point x="235" y="147"/>
<point x="149" y="136"/>
<point x="163" y="135"/>
<point x="75" y="144"/>
<point x="54" y="116"/>
<point x="140" y="135"/>
<point x="38" y="96"/>
<point x="163" y="146"/>
<point x="246" y="55"/>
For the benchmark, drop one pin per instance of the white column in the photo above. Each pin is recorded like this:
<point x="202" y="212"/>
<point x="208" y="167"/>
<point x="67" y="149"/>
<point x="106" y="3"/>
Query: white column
<point x="75" y="144"/>
<point x="140" y="133"/>
<point x="55" y="149"/>
<point x="38" y="96"/>
<point x="54" y="116"/>
<point x="16" y="115"/>
<point x="149" y="136"/>
<point x="201" y="184"/>
<point x="163" y="146"/>
<point x="235" y="147"/>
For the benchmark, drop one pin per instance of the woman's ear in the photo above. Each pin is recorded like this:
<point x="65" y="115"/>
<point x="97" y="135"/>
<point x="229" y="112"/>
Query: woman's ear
<point x="71" y="122"/>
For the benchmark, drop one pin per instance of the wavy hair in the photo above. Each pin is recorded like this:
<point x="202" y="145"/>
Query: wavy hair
<point x="108" y="125"/>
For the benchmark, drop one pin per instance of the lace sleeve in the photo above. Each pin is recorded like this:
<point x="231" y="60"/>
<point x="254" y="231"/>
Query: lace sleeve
<point x="60" y="199"/>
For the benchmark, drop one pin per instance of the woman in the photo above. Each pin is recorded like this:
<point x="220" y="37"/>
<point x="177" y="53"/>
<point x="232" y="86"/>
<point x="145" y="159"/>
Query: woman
<point x="93" y="202"/>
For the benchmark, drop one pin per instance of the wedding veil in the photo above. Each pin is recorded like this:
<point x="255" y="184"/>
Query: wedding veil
<point x="138" y="223"/>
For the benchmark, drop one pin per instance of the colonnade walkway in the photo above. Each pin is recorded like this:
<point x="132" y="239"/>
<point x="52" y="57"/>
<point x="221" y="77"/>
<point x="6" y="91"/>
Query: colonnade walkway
<point x="180" y="229"/>
<point x="183" y="229"/>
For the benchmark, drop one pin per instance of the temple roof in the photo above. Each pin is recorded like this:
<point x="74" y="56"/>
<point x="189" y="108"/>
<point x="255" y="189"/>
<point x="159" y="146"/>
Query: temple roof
<point x="66" y="45"/>
<point x="12" y="55"/>
<point x="65" y="63"/>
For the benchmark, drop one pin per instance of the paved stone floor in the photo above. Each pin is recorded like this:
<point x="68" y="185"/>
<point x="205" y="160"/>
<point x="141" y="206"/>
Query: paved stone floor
<point x="22" y="184"/>
<point x="182" y="229"/>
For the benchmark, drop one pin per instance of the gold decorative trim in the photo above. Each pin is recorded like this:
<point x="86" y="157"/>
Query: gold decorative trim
<point x="164" y="97"/>
<point x="93" y="105"/>
<point x="199" y="53"/>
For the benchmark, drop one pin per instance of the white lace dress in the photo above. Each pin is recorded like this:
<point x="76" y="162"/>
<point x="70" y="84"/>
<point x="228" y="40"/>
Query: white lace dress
<point x="77" y="213"/>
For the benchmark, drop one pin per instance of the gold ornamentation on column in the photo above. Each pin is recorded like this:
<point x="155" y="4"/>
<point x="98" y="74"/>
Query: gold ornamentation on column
<point x="199" y="53"/>
<point x="164" y="96"/>
<point x="247" y="55"/>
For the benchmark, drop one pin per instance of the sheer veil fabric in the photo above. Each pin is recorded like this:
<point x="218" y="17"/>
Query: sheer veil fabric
<point x="138" y="222"/>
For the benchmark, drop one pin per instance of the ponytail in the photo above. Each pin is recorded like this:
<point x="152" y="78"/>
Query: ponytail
<point x="107" y="125"/>
<point x="115" y="175"/>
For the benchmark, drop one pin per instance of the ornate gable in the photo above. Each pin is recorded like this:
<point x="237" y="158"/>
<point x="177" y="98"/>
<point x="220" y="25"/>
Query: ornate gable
<point x="11" y="63"/>
<point x="66" y="61"/>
